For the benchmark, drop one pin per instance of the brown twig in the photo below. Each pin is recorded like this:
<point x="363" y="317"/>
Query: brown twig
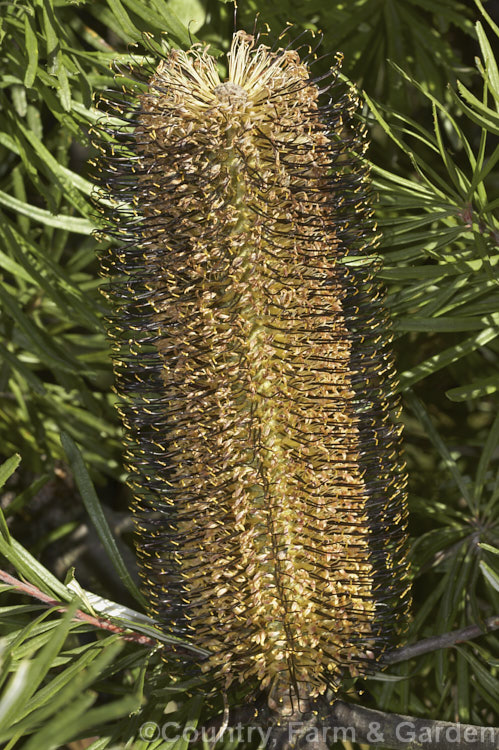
<point x="441" y="641"/>
<point x="399" y="732"/>
<point x="102" y="624"/>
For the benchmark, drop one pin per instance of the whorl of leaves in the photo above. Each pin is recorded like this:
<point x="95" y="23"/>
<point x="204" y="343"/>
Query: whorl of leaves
<point x="251" y="356"/>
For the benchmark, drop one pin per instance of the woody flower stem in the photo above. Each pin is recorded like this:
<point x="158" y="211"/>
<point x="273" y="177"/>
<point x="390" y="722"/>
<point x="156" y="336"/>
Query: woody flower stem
<point x="399" y="732"/>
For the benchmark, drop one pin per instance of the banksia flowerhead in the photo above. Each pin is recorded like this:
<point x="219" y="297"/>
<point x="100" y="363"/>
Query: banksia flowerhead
<point x="257" y="389"/>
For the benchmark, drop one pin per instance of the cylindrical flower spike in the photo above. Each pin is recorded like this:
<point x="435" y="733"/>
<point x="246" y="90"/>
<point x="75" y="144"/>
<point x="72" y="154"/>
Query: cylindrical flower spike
<point x="257" y="388"/>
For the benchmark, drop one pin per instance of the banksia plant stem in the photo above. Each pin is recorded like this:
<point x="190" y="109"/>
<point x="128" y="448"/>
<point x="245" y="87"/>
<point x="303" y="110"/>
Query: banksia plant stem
<point x="252" y="360"/>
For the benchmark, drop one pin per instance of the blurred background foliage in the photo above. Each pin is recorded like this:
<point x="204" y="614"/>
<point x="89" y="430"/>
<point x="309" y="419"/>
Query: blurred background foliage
<point x="431" y="100"/>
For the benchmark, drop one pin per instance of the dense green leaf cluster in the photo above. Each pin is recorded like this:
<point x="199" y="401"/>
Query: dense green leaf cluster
<point x="434" y="121"/>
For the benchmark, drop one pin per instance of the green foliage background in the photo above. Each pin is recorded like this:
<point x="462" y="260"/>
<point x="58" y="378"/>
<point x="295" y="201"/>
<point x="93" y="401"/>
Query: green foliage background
<point x="431" y="92"/>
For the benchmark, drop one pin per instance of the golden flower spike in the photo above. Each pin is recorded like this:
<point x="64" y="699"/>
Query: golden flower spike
<point x="253" y="365"/>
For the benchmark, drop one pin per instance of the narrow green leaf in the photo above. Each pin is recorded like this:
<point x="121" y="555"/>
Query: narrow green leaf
<point x="8" y="468"/>
<point x="94" y="509"/>
<point x="489" y="548"/>
<point x="476" y="191"/>
<point x="484" y="116"/>
<point x="68" y="295"/>
<point x="386" y="127"/>
<point x="487" y="696"/>
<point x="46" y="348"/>
<point x="461" y="567"/>
<point x="490" y="575"/>
<point x="60" y="221"/>
<point x="17" y="365"/>
<point x="100" y="744"/>
<point x="37" y="670"/>
<point x="489" y="59"/>
<point x="53" y="168"/>
<point x="176" y="26"/>
<point x="480" y="387"/>
<point x="423" y="416"/>
<point x="19" y="100"/>
<point x="487" y="167"/>
<point x="88" y="719"/>
<point x="55" y="732"/>
<point x="9" y="265"/>
<point x="452" y="354"/>
<point x="190" y="13"/>
<point x="445" y="113"/>
<point x="443" y="324"/>
<point x="31" y="43"/>
<point x="493" y="26"/>
<point x="384" y="677"/>
<point x="14" y="692"/>
<point x="85" y="676"/>
<point x="451" y="267"/>
<point x="428" y="604"/>
<point x="488" y="451"/>
<point x="449" y="164"/>
<point x="483" y="675"/>
<point x="124" y="19"/>
<point x="4" y="529"/>
<point x="33" y="571"/>
<point x="34" y="635"/>
<point x="62" y="77"/>
<point x="463" y="688"/>
<point x="412" y="188"/>
<point x="49" y="692"/>
<point x="51" y="35"/>
<point x="27" y="494"/>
